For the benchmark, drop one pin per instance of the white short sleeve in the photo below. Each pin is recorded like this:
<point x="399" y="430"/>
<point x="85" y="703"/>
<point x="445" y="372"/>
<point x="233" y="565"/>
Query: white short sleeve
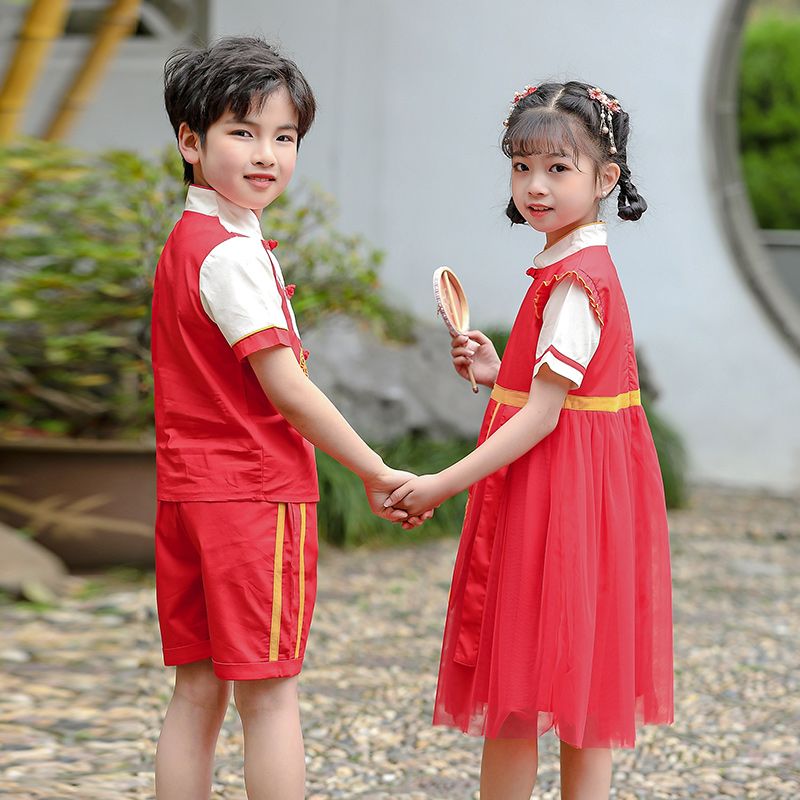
<point x="570" y="332"/>
<point x="238" y="289"/>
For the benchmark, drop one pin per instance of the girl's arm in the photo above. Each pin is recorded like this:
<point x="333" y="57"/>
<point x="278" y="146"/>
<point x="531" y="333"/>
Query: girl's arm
<point x="313" y="415"/>
<point x="532" y="423"/>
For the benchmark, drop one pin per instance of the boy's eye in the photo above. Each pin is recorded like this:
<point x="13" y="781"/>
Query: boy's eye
<point x="285" y="137"/>
<point x="242" y="133"/>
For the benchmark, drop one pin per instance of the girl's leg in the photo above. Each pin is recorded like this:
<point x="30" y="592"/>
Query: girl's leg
<point x="585" y="774"/>
<point x="274" y="761"/>
<point x="185" y="754"/>
<point x="508" y="768"/>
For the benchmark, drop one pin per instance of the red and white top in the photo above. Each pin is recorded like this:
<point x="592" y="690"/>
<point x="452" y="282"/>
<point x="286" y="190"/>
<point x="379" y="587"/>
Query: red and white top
<point x="218" y="296"/>
<point x="570" y="331"/>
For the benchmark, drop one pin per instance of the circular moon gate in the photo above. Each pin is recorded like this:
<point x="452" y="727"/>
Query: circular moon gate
<point x="729" y="189"/>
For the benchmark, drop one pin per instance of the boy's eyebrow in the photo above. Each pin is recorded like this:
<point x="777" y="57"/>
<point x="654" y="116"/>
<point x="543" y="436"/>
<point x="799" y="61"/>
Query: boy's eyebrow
<point x="234" y="120"/>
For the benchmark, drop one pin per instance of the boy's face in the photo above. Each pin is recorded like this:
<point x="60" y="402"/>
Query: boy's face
<point x="248" y="161"/>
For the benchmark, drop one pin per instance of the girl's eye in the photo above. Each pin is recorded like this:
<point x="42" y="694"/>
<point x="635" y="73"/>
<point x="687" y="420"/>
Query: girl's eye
<point x="559" y="168"/>
<point x="519" y="167"/>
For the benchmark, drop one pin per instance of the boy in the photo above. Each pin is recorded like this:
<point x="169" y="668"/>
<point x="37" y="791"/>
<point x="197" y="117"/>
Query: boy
<point x="236" y="421"/>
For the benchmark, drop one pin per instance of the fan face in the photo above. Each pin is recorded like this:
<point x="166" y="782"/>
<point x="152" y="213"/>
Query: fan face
<point x="451" y="301"/>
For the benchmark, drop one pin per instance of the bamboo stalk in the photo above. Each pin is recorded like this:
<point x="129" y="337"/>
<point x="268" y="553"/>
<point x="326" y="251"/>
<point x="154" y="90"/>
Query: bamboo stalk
<point x="118" y="22"/>
<point x="44" y="23"/>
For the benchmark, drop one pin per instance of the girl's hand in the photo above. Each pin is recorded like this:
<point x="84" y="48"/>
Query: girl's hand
<point x="477" y="350"/>
<point x="419" y="495"/>
<point x="414" y="522"/>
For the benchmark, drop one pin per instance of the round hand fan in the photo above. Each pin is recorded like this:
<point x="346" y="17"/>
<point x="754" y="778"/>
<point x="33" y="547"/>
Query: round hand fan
<point x="452" y="305"/>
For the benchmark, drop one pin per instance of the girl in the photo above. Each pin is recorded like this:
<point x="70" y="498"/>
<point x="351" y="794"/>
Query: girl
<point x="560" y="608"/>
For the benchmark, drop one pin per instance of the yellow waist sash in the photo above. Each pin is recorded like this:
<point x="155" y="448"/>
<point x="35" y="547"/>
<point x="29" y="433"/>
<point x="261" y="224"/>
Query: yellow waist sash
<point x="574" y="402"/>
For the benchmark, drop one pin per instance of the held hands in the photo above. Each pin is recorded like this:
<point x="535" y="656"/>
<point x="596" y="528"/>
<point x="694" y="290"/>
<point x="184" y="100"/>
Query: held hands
<point x="378" y="489"/>
<point x="419" y="494"/>
<point x="477" y="350"/>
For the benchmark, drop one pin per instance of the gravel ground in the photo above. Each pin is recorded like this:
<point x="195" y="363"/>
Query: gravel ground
<point x="83" y="689"/>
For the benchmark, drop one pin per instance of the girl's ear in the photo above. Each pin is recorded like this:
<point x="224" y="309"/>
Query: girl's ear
<point x="609" y="175"/>
<point x="189" y="144"/>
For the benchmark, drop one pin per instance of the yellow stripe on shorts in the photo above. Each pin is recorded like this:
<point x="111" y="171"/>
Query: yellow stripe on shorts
<point x="277" y="585"/>
<point x="302" y="576"/>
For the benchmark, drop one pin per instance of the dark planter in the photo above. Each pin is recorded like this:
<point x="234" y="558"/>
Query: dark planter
<point x="91" y="502"/>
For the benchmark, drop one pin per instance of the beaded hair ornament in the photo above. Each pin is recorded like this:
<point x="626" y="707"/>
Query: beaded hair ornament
<point x="608" y="106"/>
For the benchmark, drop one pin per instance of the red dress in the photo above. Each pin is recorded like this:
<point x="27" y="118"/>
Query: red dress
<point x="560" y="611"/>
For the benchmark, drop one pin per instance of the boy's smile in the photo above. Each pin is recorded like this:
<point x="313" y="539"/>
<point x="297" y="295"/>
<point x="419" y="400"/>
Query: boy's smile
<point x="248" y="161"/>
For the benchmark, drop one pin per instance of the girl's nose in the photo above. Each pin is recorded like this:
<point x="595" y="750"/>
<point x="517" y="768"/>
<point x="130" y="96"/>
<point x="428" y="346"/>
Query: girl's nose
<point x="536" y="186"/>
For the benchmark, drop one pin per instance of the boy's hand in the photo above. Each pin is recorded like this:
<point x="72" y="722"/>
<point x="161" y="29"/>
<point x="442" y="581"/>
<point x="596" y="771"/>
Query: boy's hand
<point x="378" y="489"/>
<point x="419" y="495"/>
<point x="475" y="350"/>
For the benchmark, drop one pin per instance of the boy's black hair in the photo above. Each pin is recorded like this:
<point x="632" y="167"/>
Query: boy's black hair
<point x="237" y="74"/>
<point x="562" y="117"/>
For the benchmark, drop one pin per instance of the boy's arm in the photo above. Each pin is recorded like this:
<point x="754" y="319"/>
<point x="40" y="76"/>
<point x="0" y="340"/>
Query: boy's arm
<point x="314" y="416"/>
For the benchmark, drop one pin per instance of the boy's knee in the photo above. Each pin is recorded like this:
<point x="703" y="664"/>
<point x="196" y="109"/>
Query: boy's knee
<point x="197" y="684"/>
<point x="265" y="696"/>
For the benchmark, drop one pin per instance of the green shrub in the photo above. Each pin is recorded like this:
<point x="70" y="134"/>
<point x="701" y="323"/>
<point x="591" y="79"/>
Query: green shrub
<point x="769" y="119"/>
<point x="81" y="235"/>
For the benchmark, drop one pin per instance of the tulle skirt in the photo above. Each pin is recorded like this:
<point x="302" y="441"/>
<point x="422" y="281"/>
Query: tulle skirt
<point x="560" y="611"/>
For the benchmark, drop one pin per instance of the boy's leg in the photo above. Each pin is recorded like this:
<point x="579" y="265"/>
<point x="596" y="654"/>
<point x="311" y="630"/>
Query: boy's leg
<point x="586" y="773"/>
<point x="508" y="768"/>
<point x="274" y="760"/>
<point x="185" y="755"/>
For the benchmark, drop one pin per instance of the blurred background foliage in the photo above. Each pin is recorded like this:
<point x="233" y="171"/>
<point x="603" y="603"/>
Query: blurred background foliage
<point x="769" y="112"/>
<point x="81" y="236"/>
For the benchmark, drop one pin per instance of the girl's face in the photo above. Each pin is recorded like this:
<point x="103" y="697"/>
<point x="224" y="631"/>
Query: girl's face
<point x="556" y="194"/>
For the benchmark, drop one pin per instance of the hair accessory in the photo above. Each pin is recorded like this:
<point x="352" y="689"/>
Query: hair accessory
<point x="528" y="90"/>
<point x="608" y="106"/>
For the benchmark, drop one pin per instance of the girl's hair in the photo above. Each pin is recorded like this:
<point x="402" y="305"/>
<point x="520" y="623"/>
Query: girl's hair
<point x="564" y="118"/>
<point x="236" y="74"/>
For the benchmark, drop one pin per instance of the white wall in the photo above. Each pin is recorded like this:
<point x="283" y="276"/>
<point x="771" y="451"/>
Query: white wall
<point x="412" y="95"/>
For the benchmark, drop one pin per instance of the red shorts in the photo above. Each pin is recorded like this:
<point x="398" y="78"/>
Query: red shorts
<point x="236" y="582"/>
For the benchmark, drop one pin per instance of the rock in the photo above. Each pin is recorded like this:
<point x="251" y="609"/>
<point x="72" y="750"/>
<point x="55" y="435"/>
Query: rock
<point x="386" y="389"/>
<point x="27" y="569"/>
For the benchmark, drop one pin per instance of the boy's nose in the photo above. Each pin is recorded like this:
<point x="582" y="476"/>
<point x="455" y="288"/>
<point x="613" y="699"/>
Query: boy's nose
<point x="263" y="156"/>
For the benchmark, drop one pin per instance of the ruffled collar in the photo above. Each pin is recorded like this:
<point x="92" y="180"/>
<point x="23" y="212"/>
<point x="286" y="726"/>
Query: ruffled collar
<point x="590" y="235"/>
<point x="233" y="218"/>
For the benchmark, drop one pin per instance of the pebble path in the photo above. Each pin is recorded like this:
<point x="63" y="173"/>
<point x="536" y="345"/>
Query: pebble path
<point x="82" y="689"/>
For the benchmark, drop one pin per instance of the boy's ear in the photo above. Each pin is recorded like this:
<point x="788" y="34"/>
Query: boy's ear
<point x="189" y="144"/>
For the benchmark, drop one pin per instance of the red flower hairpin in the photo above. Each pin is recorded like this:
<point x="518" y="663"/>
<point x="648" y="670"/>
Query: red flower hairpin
<point x="528" y="90"/>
